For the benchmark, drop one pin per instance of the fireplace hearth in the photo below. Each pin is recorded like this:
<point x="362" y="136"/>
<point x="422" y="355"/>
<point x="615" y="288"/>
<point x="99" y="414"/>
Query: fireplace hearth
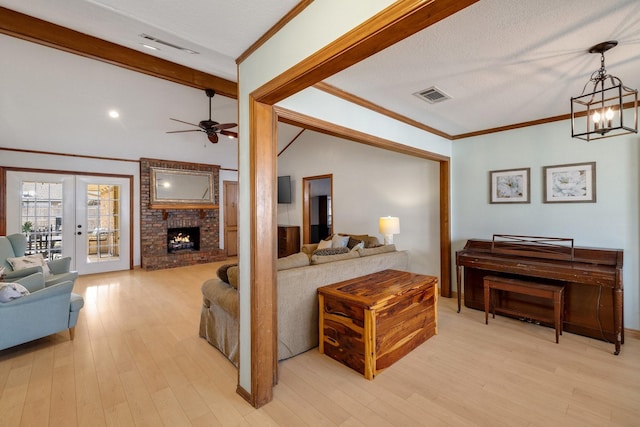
<point x="183" y="239"/>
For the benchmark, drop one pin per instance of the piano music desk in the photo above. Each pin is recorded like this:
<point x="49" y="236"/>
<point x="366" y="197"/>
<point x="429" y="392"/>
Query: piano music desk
<point x="551" y="292"/>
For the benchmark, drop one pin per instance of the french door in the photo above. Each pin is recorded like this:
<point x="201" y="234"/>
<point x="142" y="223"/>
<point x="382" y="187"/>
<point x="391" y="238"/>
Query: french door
<point x="84" y="217"/>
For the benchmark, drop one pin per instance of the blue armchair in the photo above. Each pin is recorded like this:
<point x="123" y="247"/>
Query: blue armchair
<point x="15" y="245"/>
<point x="45" y="311"/>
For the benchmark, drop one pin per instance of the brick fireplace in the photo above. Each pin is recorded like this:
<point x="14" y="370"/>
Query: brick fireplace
<point x="156" y="223"/>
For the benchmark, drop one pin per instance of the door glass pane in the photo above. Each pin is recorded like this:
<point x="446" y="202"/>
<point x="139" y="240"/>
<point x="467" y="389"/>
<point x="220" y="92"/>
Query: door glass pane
<point x="41" y="218"/>
<point x="103" y="222"/>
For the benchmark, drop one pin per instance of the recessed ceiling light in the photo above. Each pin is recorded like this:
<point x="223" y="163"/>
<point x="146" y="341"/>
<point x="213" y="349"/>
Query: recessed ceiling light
<point x="114" y="114"/>
<point x="162" y="42"/>
<point x="149" y="46"/>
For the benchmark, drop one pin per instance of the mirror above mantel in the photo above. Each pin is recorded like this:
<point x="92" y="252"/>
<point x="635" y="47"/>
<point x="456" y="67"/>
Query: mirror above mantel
<point x="181" y="189"/>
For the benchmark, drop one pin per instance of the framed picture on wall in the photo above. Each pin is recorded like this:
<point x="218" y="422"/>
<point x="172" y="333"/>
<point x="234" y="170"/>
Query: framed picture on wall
<point x="570" y="183"/>
<point x="509" y="186"/>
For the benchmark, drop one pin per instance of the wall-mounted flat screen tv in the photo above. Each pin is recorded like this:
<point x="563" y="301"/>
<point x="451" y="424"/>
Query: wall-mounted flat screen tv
<point x="284" y="189"/>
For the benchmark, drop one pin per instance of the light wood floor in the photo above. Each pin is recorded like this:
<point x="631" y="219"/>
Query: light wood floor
<point x="137" y="360"/>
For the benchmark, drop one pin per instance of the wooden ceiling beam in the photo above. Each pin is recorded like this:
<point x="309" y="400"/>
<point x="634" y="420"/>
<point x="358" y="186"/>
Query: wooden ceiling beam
<point x="36" y="30"/>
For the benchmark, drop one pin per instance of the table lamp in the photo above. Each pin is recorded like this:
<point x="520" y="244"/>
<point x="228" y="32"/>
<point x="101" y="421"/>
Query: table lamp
<point x="388" y="226"/>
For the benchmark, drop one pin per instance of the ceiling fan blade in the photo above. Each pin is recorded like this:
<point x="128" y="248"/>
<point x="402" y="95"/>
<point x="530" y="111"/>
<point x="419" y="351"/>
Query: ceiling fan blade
<point x="229" y="134"/>
<point x="221" y="126"/>
<point x="182" y="121"/>
<point x="179" y="131"/>
<point x="213" y="137"/>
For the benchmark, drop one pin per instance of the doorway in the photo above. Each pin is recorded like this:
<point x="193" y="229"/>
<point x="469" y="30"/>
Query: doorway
<point x="317" y="209"/>
<point x="83" y="217"/>
<point x="231" y="218"/>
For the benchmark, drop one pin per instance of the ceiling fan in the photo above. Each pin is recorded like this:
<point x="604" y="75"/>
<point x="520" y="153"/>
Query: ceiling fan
<point x="210" y="127"/>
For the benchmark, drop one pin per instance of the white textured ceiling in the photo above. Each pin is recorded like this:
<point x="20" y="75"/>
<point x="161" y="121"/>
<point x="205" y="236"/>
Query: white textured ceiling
<point x="502" y="61"/>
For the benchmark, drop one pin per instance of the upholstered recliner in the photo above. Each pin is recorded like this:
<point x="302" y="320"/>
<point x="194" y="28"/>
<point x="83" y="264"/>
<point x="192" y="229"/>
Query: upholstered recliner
<point x="15" y="245"/>
<point x="44" y="311"/>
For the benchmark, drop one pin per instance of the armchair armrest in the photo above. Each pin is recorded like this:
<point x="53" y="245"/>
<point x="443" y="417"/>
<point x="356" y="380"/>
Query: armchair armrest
<point x="11" y="276"/>
<point x="60" y="265"/>
<point x="41" y="295"/>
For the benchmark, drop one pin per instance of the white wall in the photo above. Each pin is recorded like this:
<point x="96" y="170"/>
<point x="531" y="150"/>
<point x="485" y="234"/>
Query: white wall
<point x="368" y="183"/>
<point x="611" y="222"/>
<point x="53" y="101"/>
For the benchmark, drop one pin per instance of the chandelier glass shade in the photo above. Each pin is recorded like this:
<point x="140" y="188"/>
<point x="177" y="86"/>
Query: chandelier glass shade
<point x="600" y="113"/>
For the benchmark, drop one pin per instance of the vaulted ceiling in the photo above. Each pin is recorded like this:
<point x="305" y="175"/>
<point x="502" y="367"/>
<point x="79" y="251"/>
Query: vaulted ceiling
<point x="502" y="62"/>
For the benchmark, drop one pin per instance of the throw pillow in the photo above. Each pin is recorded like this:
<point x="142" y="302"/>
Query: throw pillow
<point x="353" y="242"/>
<point x="222" y="272"/>
<point x="28" y="261"/>
<point x="232" y="272"/>
<point x="315" y="259"/>
<point x="358" y="236"/>
<point x="324" y="244"/>
<point x="358" y="247"/>
<point x="330" y="251"/>
<point x="11" y="291"/>
<point x="338" y="241"/>
<point x="371" y="242"/>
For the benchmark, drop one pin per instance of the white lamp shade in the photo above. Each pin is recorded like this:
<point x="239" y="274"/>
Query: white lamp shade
<point x="389" y="225"/>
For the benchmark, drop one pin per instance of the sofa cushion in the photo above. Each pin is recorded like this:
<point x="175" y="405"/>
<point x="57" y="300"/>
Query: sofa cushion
<point x="222" y="272"/>
<point x="377" y="250"/>
<point x="323" y="259"/>
<point x="28" y="261"/>
<point x="299" y="259"/>
<point x="11" y="291"/>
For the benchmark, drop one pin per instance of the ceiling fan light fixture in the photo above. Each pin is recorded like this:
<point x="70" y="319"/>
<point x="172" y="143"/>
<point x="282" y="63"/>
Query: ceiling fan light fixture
<point x="600" y="113"/>
<point x="210" y="127"/>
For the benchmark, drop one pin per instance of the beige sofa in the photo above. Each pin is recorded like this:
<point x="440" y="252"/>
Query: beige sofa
<point x="299" y="276"/>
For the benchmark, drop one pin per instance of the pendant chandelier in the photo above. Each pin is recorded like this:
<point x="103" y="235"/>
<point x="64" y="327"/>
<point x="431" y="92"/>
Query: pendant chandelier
<point x="599" y="113"/>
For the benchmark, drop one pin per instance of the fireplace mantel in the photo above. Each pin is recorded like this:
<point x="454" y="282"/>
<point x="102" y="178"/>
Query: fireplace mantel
<point x="166" y="208"/>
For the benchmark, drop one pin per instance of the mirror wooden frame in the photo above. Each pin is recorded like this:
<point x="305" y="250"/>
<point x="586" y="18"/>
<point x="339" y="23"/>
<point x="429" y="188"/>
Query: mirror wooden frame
<point x="183" y="182"/>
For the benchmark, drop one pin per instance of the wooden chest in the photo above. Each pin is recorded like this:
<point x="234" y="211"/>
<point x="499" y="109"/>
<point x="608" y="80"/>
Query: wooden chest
<point x="369" y="322"/>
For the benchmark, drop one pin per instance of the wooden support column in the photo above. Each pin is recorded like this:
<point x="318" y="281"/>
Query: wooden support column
<point x="264" y="327"/>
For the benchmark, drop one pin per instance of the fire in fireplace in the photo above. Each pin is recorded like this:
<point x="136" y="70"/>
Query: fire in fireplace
<point x="183" y="239"/>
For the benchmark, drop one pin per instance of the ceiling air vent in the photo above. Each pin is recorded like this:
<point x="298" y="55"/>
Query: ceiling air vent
<point x="432" y="95"/>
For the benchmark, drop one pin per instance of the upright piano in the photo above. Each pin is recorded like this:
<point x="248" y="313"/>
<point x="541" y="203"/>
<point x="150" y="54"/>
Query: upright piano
<point x="593" y="301"/>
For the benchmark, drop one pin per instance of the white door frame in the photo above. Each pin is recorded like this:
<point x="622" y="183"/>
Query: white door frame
<point x="14" y="180"/>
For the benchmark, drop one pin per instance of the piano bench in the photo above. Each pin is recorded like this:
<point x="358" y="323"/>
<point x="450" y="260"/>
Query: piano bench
<point x="554" y="293"/>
